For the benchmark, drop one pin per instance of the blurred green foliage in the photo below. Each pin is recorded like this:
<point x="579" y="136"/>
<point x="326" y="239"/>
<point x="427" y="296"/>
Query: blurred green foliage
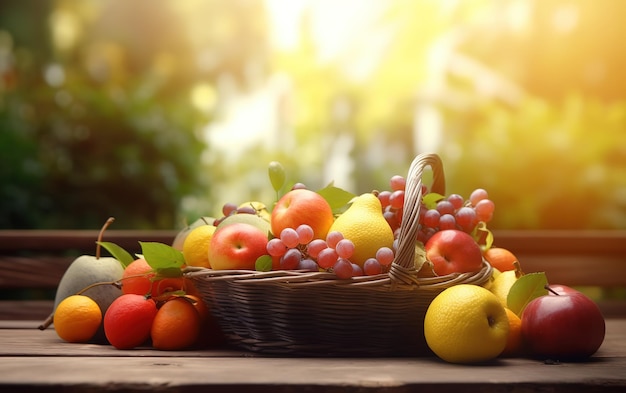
<point x="529" y="109"/>
<point x="105" y="127"/>
<point x="547" y="165"/>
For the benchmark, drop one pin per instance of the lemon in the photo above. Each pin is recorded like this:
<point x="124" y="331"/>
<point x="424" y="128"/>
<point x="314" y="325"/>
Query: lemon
<point x="196" y="246"/>
<point x="363" y="223"/>
<point x="466" y="324"/>
<point x="180" y="237"/>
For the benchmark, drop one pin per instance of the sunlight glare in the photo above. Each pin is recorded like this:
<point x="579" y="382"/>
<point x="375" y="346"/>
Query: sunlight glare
<point x="204" y="97"/>
<point x="65" y="29"/>
<point x="285" y="21"/>
<point x="342" y="32"/>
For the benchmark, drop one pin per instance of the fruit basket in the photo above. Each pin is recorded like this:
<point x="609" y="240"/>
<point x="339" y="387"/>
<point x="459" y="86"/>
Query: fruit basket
<point x="292" y="312"/>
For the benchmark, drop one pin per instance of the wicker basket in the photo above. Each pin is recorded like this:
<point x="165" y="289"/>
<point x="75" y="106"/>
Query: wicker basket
<point x="316" y="314"/>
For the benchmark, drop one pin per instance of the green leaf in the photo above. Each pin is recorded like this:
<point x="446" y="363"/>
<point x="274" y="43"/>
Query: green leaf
<point x="263" y="263"/>
<point x="161" y="256"/>
<point x="168" y="272"/>
<point x="430" y="200"/>
<point x="118" y="253"/>
<point x="336" y="197"/>
<point x="277" y="175"/>
<point x="525" y="289"/>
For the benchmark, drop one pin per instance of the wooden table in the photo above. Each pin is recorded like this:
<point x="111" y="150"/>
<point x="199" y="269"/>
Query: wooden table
<point x="33" y="360"/>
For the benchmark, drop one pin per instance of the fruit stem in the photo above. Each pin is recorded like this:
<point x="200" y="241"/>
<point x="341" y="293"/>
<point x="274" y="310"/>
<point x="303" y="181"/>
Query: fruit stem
<point x="50" y="318"/>
<point x="551" y="290"/>
<point x="518" y="269"/>
<point x="104" y="227"/>
<point x="116" y="284"/>
<point x="47" y="322"/>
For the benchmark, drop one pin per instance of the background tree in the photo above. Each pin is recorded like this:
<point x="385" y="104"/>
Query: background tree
<point x="102" y="107"/>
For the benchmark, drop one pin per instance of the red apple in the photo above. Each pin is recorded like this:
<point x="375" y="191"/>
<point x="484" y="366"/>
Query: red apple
<point x="565" y="325"/>
<point x="453" y="251"/>
<point x="558" y="289"/>
<point x="302" y="206"/>
<point x="237" y="246"/>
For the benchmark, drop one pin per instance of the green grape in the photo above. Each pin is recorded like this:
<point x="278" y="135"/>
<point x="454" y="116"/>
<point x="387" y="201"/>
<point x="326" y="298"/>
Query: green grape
<point x="277" y="175"/>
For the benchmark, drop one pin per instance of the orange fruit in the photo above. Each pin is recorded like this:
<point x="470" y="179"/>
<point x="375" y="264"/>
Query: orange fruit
<point x="136" y="277"/>
<point x="514" y="340"/>
<point x="77" y="319"/>
<point x="190" y="287"/>
<point x="500" y="258"/>
<point x="128" y="320"/>
<point x="211" y="334"/>
<point x="176" y="325"/>
<point x="201" y="307"/>
<point x="139" y="279"/>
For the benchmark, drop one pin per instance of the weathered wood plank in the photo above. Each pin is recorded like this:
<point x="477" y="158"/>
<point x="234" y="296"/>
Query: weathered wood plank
<point x="32" y="272"/>
<point x="562" y="241"/>
<point x="575" y="258"/>
<point x="33" y="310"/>
<point x="24" y="339"/>
<point x="62" y="367"/>
<point x="577" y="270"/>
<point x="82" y="240"/>
<point x="185" y="374"/>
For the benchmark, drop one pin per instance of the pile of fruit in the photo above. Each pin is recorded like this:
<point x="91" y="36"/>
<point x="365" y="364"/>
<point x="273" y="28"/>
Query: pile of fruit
<point x="130" y="301"/>
<point x="127" y="302"/>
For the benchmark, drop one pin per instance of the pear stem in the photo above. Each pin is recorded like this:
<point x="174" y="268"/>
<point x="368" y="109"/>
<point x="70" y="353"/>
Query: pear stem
<point x="101" y="234"/>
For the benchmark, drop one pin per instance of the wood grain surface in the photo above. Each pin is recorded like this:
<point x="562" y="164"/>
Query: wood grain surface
<point x="33" y="360"/>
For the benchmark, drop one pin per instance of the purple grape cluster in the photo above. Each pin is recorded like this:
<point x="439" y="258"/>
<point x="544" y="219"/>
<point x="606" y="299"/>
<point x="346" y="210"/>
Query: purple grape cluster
<point x="454" y="212"/>
<point x="445" y="212"/>
<point x="392" y="202"/>
<point x="298" y="250"/>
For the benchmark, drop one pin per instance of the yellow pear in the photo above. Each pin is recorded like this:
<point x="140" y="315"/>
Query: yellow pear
<point x="494" y="274"/>
<point x="502" y="284"/>
<point x="364" y="224"/>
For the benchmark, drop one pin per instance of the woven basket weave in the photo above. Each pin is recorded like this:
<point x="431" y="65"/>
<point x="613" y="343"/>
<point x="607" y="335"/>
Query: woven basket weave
<point x="316" y="314"/>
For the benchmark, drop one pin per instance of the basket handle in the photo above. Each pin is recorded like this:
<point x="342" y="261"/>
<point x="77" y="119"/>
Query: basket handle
<point x="404" y="262"/>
